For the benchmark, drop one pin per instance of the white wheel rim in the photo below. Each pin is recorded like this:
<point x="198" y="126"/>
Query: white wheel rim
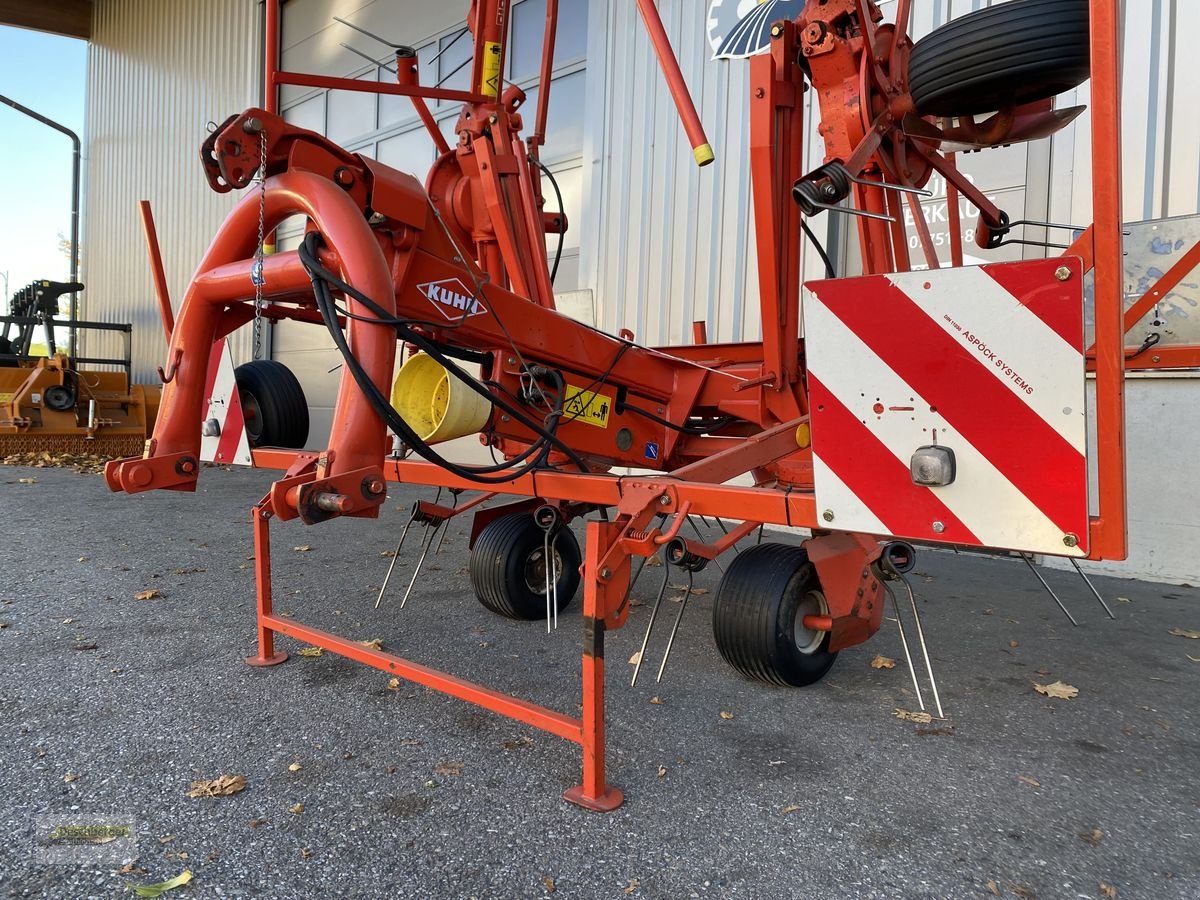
<point x="808" y="640"/>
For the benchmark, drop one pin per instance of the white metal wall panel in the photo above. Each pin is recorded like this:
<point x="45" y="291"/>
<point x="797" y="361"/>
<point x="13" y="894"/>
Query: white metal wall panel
<point x="157" y="73"/>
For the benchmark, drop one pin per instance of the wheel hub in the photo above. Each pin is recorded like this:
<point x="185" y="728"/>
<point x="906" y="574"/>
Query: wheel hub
<point x="809" y="640"/>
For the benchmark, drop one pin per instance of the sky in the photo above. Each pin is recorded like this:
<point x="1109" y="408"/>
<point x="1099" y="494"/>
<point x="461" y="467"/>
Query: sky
<point x="48" y="74"/>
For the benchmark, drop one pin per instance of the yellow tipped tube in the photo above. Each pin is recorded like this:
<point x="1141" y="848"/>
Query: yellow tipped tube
<point x="704" y="154"/>
<point x="436" y="406"/>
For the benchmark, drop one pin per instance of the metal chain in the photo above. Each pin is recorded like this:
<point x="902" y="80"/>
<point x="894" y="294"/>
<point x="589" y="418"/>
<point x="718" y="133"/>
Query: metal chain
<point x="256" y="274"/>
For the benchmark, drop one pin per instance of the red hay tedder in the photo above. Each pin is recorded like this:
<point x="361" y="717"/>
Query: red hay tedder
<point x="947" y="405"/>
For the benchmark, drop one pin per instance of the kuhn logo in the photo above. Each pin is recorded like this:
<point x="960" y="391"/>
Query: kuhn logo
<point x="452" y="299"/>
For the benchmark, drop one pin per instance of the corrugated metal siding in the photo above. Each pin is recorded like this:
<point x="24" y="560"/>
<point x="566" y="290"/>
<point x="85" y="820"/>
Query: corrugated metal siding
<point x="157" y="73"/>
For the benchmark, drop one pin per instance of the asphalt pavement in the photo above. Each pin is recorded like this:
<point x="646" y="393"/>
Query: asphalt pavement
<point x="111" y="706"/>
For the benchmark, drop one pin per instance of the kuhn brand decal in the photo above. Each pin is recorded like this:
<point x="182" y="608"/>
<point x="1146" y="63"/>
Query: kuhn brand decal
<point x="452" y="298"/>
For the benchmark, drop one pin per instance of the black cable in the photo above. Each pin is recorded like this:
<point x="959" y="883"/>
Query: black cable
<point x="562" y="215"/>
<point x="683" y="429"/>
<point x="322" y="278"/>
<point x="396" y="422"/>
<point x="830" y="272"/>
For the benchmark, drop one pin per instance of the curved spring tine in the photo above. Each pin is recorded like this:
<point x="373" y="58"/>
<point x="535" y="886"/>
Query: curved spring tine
<point x="546" y="570"/>
<point x="421" y="561"/>
<point x="1049" y="590"/>
<point x="1091" y="587"/>
<point x="912" y="672"/>
<point x="637" y="667"/>
<point x="395" y="556"/>
<point x="937" y="700"/>
<point x="675" y="627"/>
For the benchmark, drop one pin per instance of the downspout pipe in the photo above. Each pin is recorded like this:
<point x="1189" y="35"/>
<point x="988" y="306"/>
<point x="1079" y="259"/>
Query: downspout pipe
<point x="75" y="163"/>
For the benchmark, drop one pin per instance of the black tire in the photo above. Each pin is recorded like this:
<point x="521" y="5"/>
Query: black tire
<point x="1017" y="52"/>
<point x="273" y="404"/>
<point x="762" y="597"/>
<point x="506" y="569"/>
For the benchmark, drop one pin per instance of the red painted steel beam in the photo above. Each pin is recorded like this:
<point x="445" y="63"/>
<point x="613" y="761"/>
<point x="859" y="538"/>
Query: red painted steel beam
<point x="522" y="710"/>
<point x="1109" y="530"/>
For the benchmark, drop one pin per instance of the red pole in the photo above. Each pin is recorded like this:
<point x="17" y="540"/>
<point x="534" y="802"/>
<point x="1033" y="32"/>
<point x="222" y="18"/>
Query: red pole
<point x="262" y="580"/>
<point x="271" y="56"/>
<point x="701" y="149"/>
<point x="156" y="269"/>
<point x="1109" y="533"/>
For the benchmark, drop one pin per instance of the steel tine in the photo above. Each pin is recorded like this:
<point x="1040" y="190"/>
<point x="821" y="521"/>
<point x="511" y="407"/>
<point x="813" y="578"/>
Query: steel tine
<point x="851" y="211"/>
<point x="716" y="562"/>
<point x="554" y="580"/>
<point x="937" y="700"/>
<point x="675" y="628"/>
<point x="1091" y="587"/>
<point x="442" y="539"/>
<point x="369" y="34"/>
<point x="546" y="571"/>
<point x="368" y="57"/>
<point x="395" y="556"/>
<point x="724" y="530"/>
<point x="662" y="591"/>
<point x="1049" y="590"/>
<point x="633" y="583"/>
<point x="760" y="532"/>
<point x="898" y="188"/>
<point x="420" y="562"/>
<point x="912" y="672"/>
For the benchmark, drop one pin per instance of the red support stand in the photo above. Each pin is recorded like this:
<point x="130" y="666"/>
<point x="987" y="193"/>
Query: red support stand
<point x="267" y="655"/>
<point x="594" y="793"/>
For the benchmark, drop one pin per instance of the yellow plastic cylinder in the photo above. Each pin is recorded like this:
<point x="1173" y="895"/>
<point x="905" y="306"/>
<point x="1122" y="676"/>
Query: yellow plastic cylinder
<point x="435" y="405"/>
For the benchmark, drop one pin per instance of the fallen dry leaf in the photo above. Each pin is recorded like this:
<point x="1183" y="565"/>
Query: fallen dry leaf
<point x="130" y="869"/>
<point x="1057" y="690"/>
<point x="84" y="647"/>
<point x="1091" y="837"/>
<point x="726" y="715"/>
<point x="657" y="701"/>
<point x="662" y="771"/>
<point x="1122" y="599"/>
<point x="548" y="884"/>
<point x="373" y="643"/>
<point x="632" y="886"/>
<point x="69" y="777"/>
<point x="166" y="839"/>
<point x="883" y="662"/>
<point x="993" y="887"/>
<point x="157" y="890"/>
<point x="311" y="651"/>
<point x="448" y="768"/>
<point x="68" y="621"/>
<point x="653" y="562"/>
<point x="295" y="767"/>
<point x="1185" y="633"/>
<point x="303" y="548"/>
<point x="788" y="810"/>
<point x="305" y="853"/>
<point x="26" y="481"/>
<point x="517" y="743"/>
<point x="1013" y="644"/>
<point x="921" y="718"/>
<point x="256" y="823"/>
<point x="147" y="595"/>
<point x="393" y="684"/>
<point x="1107" y="890"/>
<point x="296" y="809"/>
<point x="1032" y="782"/>
<point x="221" y="786"/>
<point x="636" y="658"/>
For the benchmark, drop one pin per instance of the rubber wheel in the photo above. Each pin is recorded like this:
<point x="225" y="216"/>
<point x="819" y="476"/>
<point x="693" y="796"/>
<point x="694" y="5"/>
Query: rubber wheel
<point x="758" y="617"/>
<point x="1017" y="52"/>
<point x="273" y="404"/>
<point x="508" y="567"/>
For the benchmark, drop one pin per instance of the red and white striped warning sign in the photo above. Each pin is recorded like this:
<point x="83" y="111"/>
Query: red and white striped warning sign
<point x="987" y="362"/>
<point x="223" y="437"/>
